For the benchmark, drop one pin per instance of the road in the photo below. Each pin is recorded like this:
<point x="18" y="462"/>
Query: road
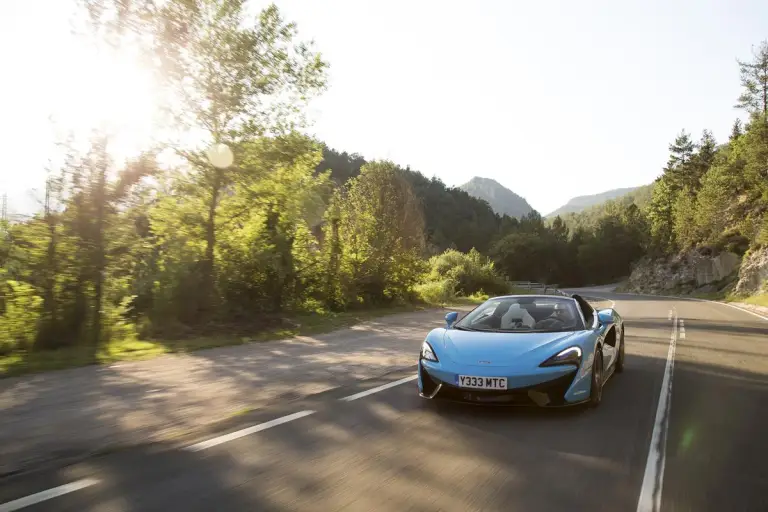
<point x="389" y="450"/>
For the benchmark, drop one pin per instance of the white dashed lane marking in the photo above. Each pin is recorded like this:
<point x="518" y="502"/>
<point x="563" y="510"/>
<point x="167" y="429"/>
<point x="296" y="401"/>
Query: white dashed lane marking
<point x="247" y="431"/>
<point x="39" y="497"/>
<point x="379" y="388"/>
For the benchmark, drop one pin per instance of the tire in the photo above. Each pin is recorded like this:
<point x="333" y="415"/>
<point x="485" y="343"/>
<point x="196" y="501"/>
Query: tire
<point x="596" y="389"/>
<point x="620" y="360"/>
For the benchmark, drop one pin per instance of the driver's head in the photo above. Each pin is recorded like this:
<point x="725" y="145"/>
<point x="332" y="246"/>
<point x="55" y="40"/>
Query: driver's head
<point x="562" y="312"/>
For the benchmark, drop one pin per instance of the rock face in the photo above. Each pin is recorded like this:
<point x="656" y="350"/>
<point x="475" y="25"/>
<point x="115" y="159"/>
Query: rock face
<point x="683" y="273"/>
<point x="753" y="274"/>
<point x="501" y="199"/>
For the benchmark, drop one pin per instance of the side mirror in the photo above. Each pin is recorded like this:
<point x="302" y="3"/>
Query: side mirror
<point x="450" y="318"/>
<point x="605" y="316"/>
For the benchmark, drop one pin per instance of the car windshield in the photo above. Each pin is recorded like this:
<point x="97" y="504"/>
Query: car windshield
<point x="523" y="314"/>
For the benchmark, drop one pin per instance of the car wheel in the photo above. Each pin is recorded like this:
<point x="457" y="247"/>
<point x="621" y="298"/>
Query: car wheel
<point x="596" y="390"/>
<point x="620" y="360"/>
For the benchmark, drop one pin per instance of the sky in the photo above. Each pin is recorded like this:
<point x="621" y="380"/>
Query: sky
<point x="552" y="99"/>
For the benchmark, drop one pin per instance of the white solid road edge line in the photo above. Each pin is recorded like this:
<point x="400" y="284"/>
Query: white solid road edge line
<point x="696" y="299"/>
<point x="33" y="499"/>
<point x="378" y="388"/>
<point x="246" y="431"/>
<point x="653" y="478"/>
<point x="740" y="309"/>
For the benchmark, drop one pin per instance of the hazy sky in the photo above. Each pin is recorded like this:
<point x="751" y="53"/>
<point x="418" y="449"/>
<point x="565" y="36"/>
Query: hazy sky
<point x="552" y="99"/>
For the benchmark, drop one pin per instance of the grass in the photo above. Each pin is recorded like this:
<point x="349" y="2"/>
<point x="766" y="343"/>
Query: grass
<point x="299" y="325"/>
<point x="306" y="324"/>
<point x="757" y="300"/>
<point x="726" y="296"/>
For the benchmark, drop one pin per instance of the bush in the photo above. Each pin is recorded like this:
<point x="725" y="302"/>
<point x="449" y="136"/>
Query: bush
<point x="436" y="292"/>
<point x="471" y="273"/>
<point x="733" y="241"/>
<point x="20" y="319"/>
<point x="117" y="325"/>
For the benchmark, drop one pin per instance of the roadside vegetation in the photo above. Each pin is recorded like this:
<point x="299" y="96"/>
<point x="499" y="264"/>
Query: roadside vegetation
<point x="276" y="234"/>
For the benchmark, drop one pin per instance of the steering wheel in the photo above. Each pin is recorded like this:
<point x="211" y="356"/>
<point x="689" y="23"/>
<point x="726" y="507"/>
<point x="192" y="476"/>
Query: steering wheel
<point x="548" y="323"/>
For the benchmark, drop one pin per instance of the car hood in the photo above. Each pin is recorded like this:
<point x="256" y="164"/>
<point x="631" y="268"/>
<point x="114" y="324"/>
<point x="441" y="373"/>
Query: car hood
<point x="504" y="348"/>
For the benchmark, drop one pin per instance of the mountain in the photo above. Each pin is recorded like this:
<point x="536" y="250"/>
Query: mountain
<point x="501" y="199"/>
<point x="590" y="216"/>
<point x="581" y="203"/>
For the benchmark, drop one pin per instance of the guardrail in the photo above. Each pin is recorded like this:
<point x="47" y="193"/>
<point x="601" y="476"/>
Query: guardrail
<point x="546" y="289"/>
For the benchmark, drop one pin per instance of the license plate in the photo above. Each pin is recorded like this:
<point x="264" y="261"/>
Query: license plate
<point x="469" y="381"/>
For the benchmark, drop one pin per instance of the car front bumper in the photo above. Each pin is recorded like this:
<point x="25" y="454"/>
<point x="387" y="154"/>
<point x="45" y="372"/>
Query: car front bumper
<point x="545" y="387"/>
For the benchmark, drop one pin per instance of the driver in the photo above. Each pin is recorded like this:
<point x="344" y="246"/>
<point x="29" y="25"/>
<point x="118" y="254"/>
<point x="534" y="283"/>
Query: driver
<point x="561" y="315"/>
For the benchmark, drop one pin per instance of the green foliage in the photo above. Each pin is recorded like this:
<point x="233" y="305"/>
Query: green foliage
<point x="382" y="232"/>
<point x="293" y="227"/>
<point x="467" y="273"/>
<point x="20" y="317"/>
<point x="732" y="240"/>
<point x="588" y="218"/>
<point x="436" y="292"/>
<point x="684" y="213"/>
<point x="661" y="215"/>
<point x="754" y="80"/>
<point x="453" y="219"/>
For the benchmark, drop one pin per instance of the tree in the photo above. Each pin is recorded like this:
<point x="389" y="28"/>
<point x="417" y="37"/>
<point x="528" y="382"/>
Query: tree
<point x="234" y="81"/>
<point x="701" y="161"/>
<point x="559" y="229"/>
<point x="269" y="221"/>
<point x="736" y="130"/>
<point x="680" y="150"/>
<point x="382" y="232"/>
<point x="660" y="214"/>
<point x="684" y="212"/>
<point x="754" y="80"/>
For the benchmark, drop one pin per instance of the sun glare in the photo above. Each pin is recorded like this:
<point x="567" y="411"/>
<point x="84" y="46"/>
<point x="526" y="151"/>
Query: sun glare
<point x="108" y="91"/>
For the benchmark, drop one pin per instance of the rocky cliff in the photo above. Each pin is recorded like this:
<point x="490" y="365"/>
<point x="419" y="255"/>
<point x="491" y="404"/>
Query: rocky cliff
<point x="699" y="270"/>
<point x="753" y="274"/>
<point x="688" y="272"/>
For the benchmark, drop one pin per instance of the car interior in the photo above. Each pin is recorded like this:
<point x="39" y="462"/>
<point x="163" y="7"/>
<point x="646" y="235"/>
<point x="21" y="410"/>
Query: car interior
<point x="533" y="313"/>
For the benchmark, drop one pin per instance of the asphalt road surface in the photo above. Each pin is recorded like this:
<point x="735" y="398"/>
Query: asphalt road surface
<point x="705" y="448"/>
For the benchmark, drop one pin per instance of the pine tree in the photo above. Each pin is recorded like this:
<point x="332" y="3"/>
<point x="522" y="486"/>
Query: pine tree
<point x="681" y="150"/>
<point x="754" y="80"/>
<point x="736" y="130"/>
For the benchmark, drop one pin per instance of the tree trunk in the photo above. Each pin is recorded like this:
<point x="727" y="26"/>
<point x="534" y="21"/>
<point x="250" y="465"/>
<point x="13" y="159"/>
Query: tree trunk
<point x="51" y="273"/>
<point x="332" y="273"/>
<point x="99" y="252"/>
<point x="210" y="246"/>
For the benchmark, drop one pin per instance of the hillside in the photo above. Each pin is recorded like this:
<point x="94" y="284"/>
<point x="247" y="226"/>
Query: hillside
<point x="581" y="203"/>
<point x="502" y="200"/>
<point x="590" y="216"/>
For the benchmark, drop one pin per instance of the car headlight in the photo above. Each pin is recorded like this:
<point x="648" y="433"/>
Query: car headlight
<point x="570" y="355"/>
<point x="427" y="352"/>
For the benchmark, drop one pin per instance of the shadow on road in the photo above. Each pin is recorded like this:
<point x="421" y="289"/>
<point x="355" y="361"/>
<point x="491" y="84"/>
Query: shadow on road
<point x="394" y="451"/>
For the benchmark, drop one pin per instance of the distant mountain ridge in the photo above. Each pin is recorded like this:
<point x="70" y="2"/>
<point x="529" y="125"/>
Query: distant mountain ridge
<point x="581" y="203"/>
<point x="502" y="200"/>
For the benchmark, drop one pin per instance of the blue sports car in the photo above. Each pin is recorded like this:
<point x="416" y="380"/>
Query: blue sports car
<point x="537" y="350"/>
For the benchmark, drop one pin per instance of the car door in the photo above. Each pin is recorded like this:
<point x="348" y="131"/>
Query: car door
<point x="609" y="352"/>
<point x="600" y="331"/>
